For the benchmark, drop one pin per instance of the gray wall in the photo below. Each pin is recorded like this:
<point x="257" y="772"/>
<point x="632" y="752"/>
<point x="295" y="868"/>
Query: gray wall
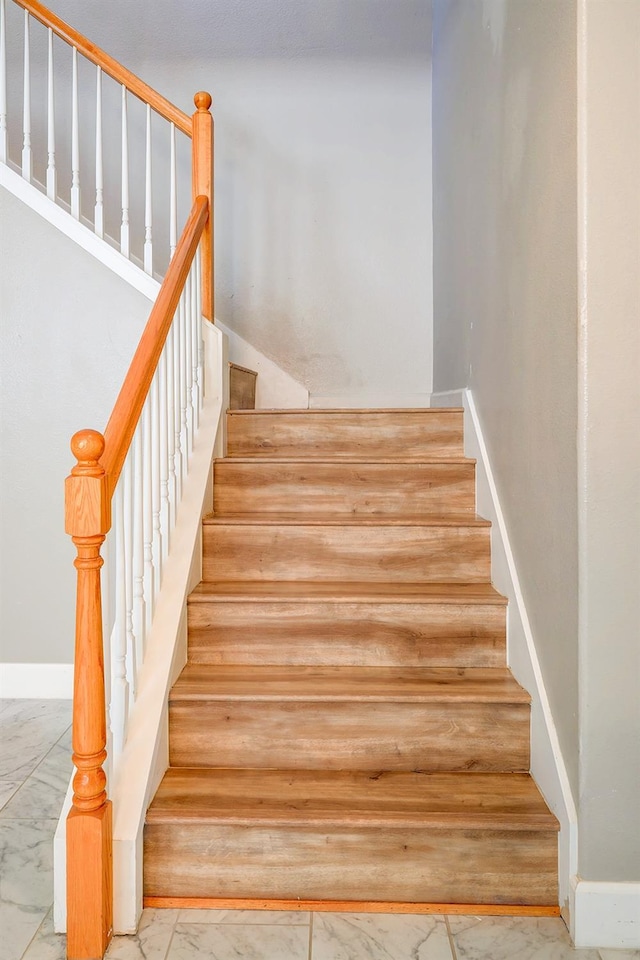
<point x="323" y="173"/>
<point x="68" y="330"/>
<point x="537" y="299"/>
<point x="505" y="298"/>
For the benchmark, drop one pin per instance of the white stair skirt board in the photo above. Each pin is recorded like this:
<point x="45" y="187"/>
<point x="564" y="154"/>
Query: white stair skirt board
<point x="146" y="752"/>
<point x="77" y="232"/>
<point x="547" y="763"/>
<point x="275" y="389"/>
<point x="371" y="400"/>
<point x="36" y="681"/>
<point x="605" y="914"/>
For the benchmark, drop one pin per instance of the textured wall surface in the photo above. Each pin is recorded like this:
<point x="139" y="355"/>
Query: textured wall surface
<point x="68" y="330"/>
<point x="537" y="299"/>
<point x="323" y="173"/>
<point x="505" y="303"/>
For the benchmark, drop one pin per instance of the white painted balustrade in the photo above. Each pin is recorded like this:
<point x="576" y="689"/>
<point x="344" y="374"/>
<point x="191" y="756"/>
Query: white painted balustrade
<point x="54" y="153"/>
<point x="147" y="499"/>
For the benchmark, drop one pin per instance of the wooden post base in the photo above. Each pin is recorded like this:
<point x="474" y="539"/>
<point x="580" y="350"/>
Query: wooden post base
<point x="89" y="883"/>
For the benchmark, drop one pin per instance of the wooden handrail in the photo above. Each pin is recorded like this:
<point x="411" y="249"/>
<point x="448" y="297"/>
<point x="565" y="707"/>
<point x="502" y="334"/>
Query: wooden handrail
<point x="128" y="406"/>
<point x="109" y="65"/>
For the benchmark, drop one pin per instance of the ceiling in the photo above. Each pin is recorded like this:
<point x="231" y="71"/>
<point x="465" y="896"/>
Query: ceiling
<point x="200" y="29"/>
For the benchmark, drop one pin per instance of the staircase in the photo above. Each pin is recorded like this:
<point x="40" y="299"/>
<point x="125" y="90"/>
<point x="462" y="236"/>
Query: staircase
<point x="346" y="727"/>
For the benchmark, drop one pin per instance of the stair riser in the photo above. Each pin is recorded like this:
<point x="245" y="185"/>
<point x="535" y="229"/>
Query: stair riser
<point x="379" y="553"/>
<point x="367" y="488"/>
<point x="342" y="634"/>
<point x="415" y="865"/>
<point x="431" y="737"/>
<point x="428" y="433"/>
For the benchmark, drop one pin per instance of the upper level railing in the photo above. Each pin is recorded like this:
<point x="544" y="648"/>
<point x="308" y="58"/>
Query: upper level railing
<point x="132" y="200"/>
<point x="127" y="483"/>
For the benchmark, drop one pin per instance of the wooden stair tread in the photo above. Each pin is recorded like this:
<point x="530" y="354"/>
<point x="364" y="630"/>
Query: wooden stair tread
<point x="262" y="683"/>
<point x="349" y="411"/>
<point x="252" y="797"/>
<point x="349" y="520"/>
<point x="241" y="369"/>
<point x="345" y="460"/>
<point x="292" y="591"/>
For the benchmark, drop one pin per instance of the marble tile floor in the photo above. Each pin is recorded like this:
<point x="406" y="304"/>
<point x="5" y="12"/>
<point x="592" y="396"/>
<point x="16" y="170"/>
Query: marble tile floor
<point x="34" y="771"/>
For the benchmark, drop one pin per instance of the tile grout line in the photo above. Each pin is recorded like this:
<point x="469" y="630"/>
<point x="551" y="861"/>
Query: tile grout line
<point x="311" y="916"/>
<point x="41" y="760"/>
<point x="452" y="945"/>
<point x="9" y="799"/>
<point x="28" y="777"/>
<point x="173" y="931"/>
<point x="39" y="928"/>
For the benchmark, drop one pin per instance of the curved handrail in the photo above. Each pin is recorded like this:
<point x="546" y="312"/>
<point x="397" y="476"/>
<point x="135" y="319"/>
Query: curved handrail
<point x="109" y="65"/>
<point x="128" y="407"/>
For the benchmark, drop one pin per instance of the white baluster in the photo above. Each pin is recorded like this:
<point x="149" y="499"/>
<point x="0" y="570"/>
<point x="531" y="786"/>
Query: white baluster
<point x="52" y="188"/>
<point x="75" y="140"/>
<point x="124" y="226"/>
<point x="193" y="279"/>
<point x="106" y="579"/>
<point x="3" y="83"/>
<point x="173" y="194"/>
<point x="119" y="685"/>
<point x="171" y="419"/>
<point x="148" y="202"/>
<point x="27" y="163"/>
<point x="165" y="517"/>
<point x="131" y="665"/>
<point x="188" y="332"/>
<point x="98" y="216"/>
<point x="177" y="394"/>
<point x="147" y="516"/>
<point x="155" y="479"/>
<point x="199" y="330"/>
<point x="184" y="438"/>
<point x="139" y="615"/>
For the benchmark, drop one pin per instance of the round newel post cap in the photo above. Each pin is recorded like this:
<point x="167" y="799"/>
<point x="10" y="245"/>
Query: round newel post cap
<point x="87" y="446"/>
<point x="203" y="100"/>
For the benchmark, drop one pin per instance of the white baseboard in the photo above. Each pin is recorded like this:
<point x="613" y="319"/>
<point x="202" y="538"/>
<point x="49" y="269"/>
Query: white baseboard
<point x="36" y="681"/>
<point x="605" y="914"/>
<point x="547" y="764"/>
<point x="370" y="400"/>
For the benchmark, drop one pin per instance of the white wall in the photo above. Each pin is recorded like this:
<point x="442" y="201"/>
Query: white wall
<point x="609" y="810"/>
<point x="505" y="202"/>
<point x="323" y="176"/>
<point x="537" y="299"/>
<point x="68" y="330"/>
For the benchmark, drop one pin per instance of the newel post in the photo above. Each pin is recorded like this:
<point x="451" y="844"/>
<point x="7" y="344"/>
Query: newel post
<point x="202" y="179"/>
<point x="89" y="852"/>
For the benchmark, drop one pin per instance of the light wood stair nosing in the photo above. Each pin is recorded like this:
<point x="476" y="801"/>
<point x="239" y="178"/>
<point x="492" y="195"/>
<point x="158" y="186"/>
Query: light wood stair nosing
<point x="324" y="411"/>
<point x="347" y="520"/>
<point x="411" y="793"/>
<point x="292" y="591"/>
<point x="345" y="460"/>
<point x="304" y="684"/>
